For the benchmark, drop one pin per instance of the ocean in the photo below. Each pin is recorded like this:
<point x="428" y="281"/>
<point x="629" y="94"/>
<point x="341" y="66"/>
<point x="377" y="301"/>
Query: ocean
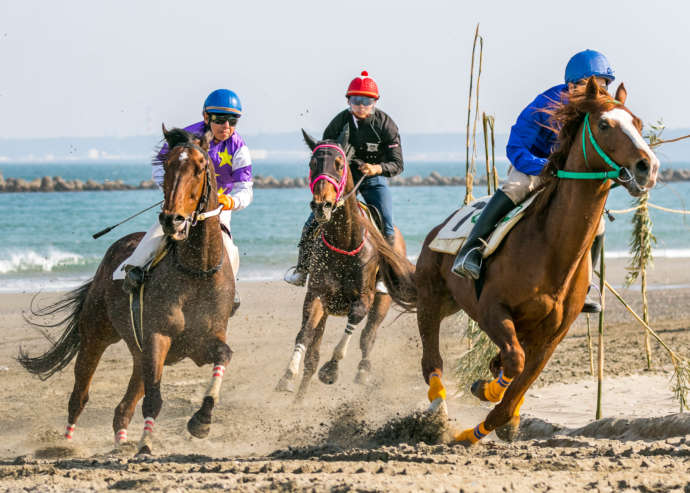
<point x="47" y="245"/>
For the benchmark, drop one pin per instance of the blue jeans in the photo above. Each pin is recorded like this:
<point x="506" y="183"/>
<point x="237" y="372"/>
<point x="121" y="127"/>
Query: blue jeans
<point x="375" y="191"/>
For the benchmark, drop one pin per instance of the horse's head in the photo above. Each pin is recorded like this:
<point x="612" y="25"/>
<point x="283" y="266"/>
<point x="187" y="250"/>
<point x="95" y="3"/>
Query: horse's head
<point x="328" y="173"/>
<point x="187" y="184"/>
<point x="610" y="136"/>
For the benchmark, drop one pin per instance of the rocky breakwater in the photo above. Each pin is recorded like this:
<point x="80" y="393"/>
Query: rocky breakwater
<point x="58" y="184"/>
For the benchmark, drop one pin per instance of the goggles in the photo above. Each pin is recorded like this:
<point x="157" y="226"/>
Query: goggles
<point x="361" y="101"/>
<point x="220" y="119"/>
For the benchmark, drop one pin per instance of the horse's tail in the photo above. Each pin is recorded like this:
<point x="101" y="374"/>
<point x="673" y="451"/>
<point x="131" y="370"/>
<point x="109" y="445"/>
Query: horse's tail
<point x="398" y="272"/>
<point x="64" y="350"/>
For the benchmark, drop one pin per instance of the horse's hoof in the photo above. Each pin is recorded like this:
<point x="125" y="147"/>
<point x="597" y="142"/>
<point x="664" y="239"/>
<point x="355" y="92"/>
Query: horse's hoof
<point x="145" y="450"/>
<point x="363" y="377"/>
<point x="510" y="431"/>
<point x="286" y="384"/>
<point x="328" y="373"/>
<point x="477" y="389"/>
<point x="198" y="427"/>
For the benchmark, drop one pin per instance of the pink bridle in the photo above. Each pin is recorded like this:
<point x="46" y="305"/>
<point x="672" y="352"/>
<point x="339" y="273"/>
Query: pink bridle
<point x="339" y="187"/>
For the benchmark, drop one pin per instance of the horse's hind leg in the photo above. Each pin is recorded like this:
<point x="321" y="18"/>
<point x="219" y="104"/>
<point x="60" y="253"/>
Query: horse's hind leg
<point x="156" y="349"/>
<point x="90" y="352"/>
<point x="199" y="424"/>
<point x="125" y="409"/>
<point x="379" y="309"/>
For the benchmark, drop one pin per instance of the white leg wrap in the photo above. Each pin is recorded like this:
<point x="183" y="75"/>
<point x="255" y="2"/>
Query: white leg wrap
<point x="214" y="389"/>
<point x="144" y="252"/>
<point x="69" y="431"/>
<point x="121" y="436"/>
<point x="146" y="439"/>
<point x="293" y="367"/>
<point x="341" y="349"/>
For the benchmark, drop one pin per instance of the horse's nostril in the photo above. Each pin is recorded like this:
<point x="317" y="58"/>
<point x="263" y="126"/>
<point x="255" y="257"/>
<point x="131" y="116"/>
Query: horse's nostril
<point x="179" y="219"/>
<point x="642" y="166"/>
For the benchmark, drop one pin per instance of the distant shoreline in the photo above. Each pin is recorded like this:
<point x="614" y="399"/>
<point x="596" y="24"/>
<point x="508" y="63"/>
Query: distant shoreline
<point x="58" y="184"/>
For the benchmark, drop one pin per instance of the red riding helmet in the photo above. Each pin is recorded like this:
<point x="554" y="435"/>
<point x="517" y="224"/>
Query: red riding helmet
<point x="363" y="86"/>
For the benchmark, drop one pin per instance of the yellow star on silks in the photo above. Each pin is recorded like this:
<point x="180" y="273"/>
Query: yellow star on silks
<point x="221" y="190"/>
<point x="225" y="158"/>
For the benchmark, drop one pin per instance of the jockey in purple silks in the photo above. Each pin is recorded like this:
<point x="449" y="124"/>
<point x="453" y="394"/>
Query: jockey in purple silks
<point x="233" y="169"/>
<point x="529" y="146"/>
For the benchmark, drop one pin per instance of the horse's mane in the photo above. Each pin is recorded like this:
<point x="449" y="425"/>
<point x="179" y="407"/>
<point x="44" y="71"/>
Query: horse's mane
<point x="565" y="118"/>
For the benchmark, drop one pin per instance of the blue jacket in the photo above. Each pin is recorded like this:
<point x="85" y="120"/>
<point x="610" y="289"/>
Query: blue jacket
<point x="530" y="142"/>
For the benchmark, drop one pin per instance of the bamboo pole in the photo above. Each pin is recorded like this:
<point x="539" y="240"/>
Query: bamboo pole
<point x="589" y="348"/>
<point x="600" y="373"/>
<point x="473" y="166"/>
<point x="485" y="126"/>
<point x="468" y="178"/>
<point x="494" y="173"/>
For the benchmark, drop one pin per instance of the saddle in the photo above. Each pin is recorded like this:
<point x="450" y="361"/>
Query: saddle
<point x="373" y="214"/>
<point x="453" y="234"/>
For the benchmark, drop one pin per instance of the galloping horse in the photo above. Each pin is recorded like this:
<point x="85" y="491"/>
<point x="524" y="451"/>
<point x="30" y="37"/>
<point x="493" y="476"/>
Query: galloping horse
<point x="188" y="300"/>
<point x="345" y="260"/>
<point x="536" y="282"/>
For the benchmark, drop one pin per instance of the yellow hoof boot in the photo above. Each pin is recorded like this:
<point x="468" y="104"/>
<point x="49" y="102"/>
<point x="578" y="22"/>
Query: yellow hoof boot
<point x="472" y="435"/>
<point x="494" y="390"/>
<point x="436" y="388"/>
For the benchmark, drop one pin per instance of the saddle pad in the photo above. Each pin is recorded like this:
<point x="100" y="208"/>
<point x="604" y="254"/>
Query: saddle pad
<point x="369" y="214"/>
<point x="450" y="238"/>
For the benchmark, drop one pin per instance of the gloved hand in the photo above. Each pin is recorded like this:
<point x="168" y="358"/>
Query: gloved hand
<point x="226" y="201"/>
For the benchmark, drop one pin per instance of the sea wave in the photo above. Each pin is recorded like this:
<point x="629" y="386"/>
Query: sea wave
<point x="32" y="261"/>
<point x="656" y="253"/>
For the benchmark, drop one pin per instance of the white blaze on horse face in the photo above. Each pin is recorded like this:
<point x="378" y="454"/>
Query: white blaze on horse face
<point x="625" y="121"/>
<point x="183" y="156"/>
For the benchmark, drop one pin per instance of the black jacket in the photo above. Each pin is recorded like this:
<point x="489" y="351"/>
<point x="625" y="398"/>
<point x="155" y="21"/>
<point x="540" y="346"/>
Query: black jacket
<point x="375" y="139"/>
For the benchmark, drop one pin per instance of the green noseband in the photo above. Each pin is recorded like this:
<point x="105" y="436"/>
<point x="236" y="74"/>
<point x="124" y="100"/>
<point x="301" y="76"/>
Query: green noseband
<point x="591" y="175"/>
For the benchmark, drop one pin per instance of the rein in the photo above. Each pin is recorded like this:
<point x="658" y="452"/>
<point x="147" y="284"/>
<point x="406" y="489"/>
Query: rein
<point x="593" y="175"/>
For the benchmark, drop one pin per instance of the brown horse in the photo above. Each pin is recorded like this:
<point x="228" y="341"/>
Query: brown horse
<point x="535" y="284"/>
<point x="187" y="302"/>
<point x="345" y="260"/>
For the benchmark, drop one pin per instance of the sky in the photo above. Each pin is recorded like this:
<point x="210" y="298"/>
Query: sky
<point x="121" y="68"/>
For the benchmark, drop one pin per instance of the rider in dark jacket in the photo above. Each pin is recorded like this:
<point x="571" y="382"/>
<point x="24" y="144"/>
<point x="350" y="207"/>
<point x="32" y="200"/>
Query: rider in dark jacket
<point x="377" y="156"/>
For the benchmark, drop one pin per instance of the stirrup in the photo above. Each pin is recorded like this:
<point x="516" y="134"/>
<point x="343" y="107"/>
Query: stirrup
<point x="592" y="305"/>
<point x="295" y="276"/>
<point x="459" y="268"/>
<point x="134" y="277"/>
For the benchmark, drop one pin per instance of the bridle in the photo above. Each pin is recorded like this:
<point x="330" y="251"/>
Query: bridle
<point x="199" y="214"/>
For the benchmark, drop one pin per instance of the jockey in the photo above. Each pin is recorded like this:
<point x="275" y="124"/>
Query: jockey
<point x="233" y="169"/>
<point x="530" y="143"/>
<point x="377" y="155"/>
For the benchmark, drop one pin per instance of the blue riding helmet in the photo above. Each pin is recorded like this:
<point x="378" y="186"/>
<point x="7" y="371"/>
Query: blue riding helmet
<point x="223" y="101"/>
<point x="586" y="64"/>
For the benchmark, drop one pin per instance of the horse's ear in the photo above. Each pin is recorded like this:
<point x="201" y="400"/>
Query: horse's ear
<point x="309" y="140"/>
<point x="592" y="89"/>
<point x="165" y="131"/>
<point x="203" y="140"/>
<point x="621" y="94"/>
<point x="344" y="137"/>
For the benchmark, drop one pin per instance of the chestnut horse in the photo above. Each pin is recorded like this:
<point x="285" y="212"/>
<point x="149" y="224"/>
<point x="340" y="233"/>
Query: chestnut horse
<point x="187" y="302"/>
<point x="535" y="283"/>
<point x="345" y="260"/>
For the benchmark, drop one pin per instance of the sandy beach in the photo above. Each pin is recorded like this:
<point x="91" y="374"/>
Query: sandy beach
<point x="348" y="437"/>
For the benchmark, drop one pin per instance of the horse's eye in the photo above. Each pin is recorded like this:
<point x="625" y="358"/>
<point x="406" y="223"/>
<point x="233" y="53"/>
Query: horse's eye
<point x="604" y="125"/>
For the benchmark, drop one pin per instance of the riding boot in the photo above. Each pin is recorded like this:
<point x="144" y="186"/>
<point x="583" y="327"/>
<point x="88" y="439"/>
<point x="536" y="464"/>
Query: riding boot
<point x="593" y="301"/>
<point x="134" y="277"/>
<point x="297" y="275"/>
<point x="468" y="261"/>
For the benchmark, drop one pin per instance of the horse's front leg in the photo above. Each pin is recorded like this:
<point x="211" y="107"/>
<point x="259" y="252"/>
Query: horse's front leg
<point x="378" y="311"/>
<point x="328" y="373"/>
<point x="155" y="351"/>
<point x="499" y="326"/>
<point x="220" y="353"/>
<point x="312" y="313"/>
<point x="125" y="409"/>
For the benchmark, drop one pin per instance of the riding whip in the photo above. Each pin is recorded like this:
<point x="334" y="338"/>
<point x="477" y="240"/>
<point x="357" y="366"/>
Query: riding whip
<point x="106" y="230"/>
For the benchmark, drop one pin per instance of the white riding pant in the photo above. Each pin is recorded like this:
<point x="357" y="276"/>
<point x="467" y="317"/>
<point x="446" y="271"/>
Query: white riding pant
<point x="148" y="247"/>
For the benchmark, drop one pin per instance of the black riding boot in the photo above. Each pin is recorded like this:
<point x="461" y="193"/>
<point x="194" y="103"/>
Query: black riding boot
<point x="593" y="300"/>
<point x="134" y="277"/>
<point x="298" y="274"/>
<point x="468" y="261"/>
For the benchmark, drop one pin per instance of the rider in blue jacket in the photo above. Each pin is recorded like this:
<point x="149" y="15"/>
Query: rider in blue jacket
<point x="530" y="143"/>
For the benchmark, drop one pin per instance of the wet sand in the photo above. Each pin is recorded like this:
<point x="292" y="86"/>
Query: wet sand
<point x="348" y="437"/>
